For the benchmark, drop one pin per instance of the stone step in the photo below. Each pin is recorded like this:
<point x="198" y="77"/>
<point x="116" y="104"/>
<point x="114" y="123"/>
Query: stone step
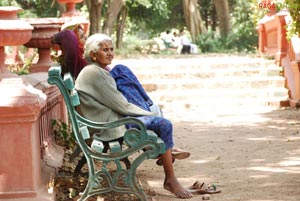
<point x="220" y="106"/>
<point x="207" y="73"/>
<point x="211" y="115"/>
<point x="226" y="82"/>
<point x="205" y="84"/>
<point x="189" y="63"/>
<point x="200" y="94"/>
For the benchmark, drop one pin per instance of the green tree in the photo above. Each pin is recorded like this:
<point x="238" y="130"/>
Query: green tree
<point x="294" y="8"/>
<point x="193" y="18"/>
<point x="113" y="9"/>
<point x="34" y="8"/>
<point x="222" y="9"/>
<point x="244" y="33"/>
<point x="149" y="15"/>
<point x="95" y="13"/>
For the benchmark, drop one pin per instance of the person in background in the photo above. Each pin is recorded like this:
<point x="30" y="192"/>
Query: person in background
<point x="71" y="43"/>
<point x="187" y="45"/>
<point x="168" y="40"/>
<point x="177" y="41"/>
<point x="101" y="101"/>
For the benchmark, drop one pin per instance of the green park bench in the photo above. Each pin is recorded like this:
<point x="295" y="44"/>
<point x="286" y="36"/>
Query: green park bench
<point x="138" y="145"/>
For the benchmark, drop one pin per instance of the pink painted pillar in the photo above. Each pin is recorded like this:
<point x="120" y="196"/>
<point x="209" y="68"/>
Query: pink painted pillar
<point x="20" y="166"/>
<point x="262" y="38"/>
<point x="291" y="66"/>
<point x="281" y="37"/>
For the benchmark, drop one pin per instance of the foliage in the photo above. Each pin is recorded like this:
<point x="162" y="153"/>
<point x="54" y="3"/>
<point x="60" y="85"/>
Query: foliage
<point x="134" y="45"/>
<point x="22" y="62"/>
<point x="63" y="133"/>
<point x="8" y="3"/>
<point x="244" y="32"/>
<point x="212" y="42"/>
<point x="148" y="18"/>
<point x="243" y="37"/>
<point x="176" y="18"/>
<point x="37" y="8"/>
<point x="27" y="63"/>
<point x="153" y="17"/>
<point x="208" y="12"/>
<point x="208" y="43"/>
<point x="294" y="8"/>
<point x="33" y="8"/>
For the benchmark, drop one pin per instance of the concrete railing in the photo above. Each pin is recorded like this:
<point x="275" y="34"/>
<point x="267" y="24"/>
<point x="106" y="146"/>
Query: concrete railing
<point x="291" y="65"/>
<point x="29" y="154"/>
<point x="272" y="36"/>
<point x="54" y="109"/>
<point x="273" y="42"/>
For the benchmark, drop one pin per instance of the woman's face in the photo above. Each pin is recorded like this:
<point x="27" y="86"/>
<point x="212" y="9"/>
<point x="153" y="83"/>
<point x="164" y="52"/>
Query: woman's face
<point x="81" y="35"/>
<point x="105" y="54"/>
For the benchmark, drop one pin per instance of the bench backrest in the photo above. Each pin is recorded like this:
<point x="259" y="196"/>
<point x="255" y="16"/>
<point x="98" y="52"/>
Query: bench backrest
<point x="67" y="88"/>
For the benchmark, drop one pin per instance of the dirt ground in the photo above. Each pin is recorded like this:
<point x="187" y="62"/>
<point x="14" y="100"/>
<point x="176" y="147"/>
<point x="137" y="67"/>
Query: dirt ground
<point x="249" y="156"/>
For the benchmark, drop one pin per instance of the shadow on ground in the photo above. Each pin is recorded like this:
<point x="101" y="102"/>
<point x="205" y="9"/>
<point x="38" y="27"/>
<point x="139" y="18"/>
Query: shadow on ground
<point x="249" y="157"/>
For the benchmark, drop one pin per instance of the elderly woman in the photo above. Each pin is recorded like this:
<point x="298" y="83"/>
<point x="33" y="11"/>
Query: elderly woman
<point x="101" y="101"/>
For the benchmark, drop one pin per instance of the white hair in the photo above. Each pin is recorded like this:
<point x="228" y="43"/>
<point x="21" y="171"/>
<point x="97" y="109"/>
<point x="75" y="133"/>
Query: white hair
<point x="93" y="43"/>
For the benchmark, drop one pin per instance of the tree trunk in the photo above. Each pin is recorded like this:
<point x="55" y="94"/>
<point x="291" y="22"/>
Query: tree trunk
<point x="121" y="26"/>
<point x="94" y="8"/>
<point x="114" y="8"/>
<point x="223" y="15"/>
<point x="193" y="18"/>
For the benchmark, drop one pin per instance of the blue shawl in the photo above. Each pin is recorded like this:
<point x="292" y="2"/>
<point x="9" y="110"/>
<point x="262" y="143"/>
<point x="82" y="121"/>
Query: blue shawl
<point x="130" y="87"/>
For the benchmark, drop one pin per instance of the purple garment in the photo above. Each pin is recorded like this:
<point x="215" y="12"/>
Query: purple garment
<point x="73" y="61"/>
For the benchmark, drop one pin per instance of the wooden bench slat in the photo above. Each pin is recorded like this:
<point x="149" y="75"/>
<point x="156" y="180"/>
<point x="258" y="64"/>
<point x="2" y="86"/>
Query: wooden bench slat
<point x="97" y="146"/>
<point x="55" y="71"/>
<point x="115" y="146"/>
<point x="68" y="80"/>
<point x="84" y="132"/>
<point x="75" y="98"/>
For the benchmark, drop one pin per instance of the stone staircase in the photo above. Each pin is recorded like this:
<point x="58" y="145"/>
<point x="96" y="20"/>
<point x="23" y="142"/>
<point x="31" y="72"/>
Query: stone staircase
<point x="210" y="86"/>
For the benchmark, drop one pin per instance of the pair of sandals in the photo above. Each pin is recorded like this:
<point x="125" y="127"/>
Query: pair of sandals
<point x="178" y="154"/>
<point x="202" y="188"/>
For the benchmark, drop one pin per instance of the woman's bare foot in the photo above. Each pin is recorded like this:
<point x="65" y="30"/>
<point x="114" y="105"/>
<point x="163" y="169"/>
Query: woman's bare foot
<point x="175" y="187"/>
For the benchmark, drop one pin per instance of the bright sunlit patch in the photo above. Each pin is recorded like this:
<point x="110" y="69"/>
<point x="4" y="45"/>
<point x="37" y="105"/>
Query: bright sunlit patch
<point x="259" y="139"/>
<point x="230" y="116"/>
<point x="290" y="139"/>
<point x="154" y="183"/>
<point x="263" y="200"/>
<point x="242" y="118"/>
<point x="200" y="161"/>
<point x="259" y="176"/>
<point x="270" y="184"/>
<point x="277" y="169"/>
<point x="293" y="161"/>
<point x="258" y="160"/>
<point x="269" y="169"/>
